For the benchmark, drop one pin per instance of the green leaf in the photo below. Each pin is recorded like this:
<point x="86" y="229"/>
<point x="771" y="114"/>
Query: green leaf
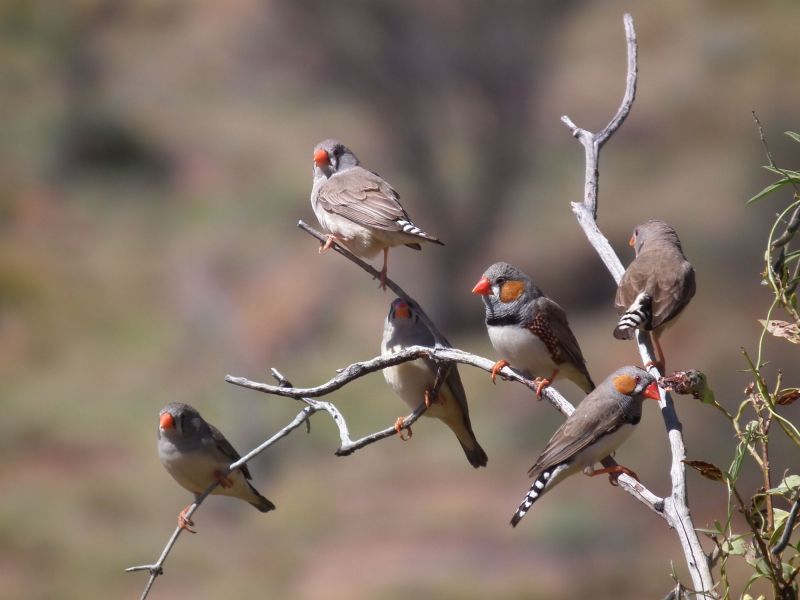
<point x="787" y="486"/>
<point x="769" y="189"/>
<point x="736" y="546"/>
<point x="793" y="135"/>
<point x="780" y="519"/>
<point x="788" y="173"/>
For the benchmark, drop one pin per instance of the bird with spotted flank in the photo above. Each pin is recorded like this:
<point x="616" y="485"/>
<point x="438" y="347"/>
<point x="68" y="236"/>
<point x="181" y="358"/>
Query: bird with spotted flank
<point x="358" y="208"/>
<point x="529" y="330"/>
<point x="656" y="286"/>
<point x="599" y="425"/>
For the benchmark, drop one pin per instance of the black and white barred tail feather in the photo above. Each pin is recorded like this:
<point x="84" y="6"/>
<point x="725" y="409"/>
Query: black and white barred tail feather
<point x="638" y="316"/>
<point x="411" y="229"/>
<point x="535" y="492"/>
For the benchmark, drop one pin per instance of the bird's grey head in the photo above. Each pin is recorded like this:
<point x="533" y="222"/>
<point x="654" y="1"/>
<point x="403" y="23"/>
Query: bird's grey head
<point x="504" y="289"/>
<point x="331" y="156"/>
<point x="653" y="232"/>
<point x="630" y="385"/>
<point x="178" y="420"/>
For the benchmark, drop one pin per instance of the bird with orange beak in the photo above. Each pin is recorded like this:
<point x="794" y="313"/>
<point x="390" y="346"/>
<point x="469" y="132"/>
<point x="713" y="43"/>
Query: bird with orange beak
<point x="599" y="425"/>
<point x="529" y="330"/>
<point x="196" y="454"/>
<point x="358" y="209"/>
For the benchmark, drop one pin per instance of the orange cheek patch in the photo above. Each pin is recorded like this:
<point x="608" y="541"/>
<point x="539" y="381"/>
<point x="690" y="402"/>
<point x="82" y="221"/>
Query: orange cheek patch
<point x="511" y="290"/>
<point x="624" y="384"/>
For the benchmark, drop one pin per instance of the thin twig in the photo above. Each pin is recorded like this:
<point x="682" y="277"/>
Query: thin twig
<point x="157" y="569"/>
<point x="794" y="220"/>
<point x="437" y="335"/>
<point x="676" y="508"/>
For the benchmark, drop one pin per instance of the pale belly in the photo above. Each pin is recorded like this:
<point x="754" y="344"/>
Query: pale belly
<point x="522" y="349"/>
<point x="410" y="380"/>
<point x="195" y="472"/>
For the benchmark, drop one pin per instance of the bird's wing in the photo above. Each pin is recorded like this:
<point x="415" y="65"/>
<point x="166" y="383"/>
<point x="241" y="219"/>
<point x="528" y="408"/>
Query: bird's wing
<point x="364" y="198"/>
<point x="672" y="292"/>
<point x="595" y="417"/>
<point x="226" y="449"/>
<point x="567" y="344"/>
<point x="666" y="276"/>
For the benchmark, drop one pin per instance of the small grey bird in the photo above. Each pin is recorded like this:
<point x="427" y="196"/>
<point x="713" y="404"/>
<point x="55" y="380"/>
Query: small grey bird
<point x="603" y="421"/>
<point x="196" y="454"/>
<point x="656" y="286"/>
<point x="414" y="380"/>
<point x="529" y="330"/>
<point x="358" y="208"/>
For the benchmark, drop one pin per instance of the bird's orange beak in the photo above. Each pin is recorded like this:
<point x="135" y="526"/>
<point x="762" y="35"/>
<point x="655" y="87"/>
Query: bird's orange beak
<point x="321" y="158"/>
<point x="166" y="421"/>
<point x="632" y="241"/>
<point x="401" y="310"/>
<point x="651" y="391"/>
<point x="483" y="287"/>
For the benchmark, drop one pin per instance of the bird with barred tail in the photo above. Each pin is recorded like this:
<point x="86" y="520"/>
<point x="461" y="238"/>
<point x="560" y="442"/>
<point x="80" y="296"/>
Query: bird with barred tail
<point x="656" y="286"/>
<point x="529" y="330"/>
<point x="357" y="208"/>
<point x="603" y="421"/>
<point x="414" y="380"/>
<point x="196" y="454"/>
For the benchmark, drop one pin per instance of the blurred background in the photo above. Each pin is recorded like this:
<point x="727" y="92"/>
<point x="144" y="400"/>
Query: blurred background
<point x="154" y="160"/>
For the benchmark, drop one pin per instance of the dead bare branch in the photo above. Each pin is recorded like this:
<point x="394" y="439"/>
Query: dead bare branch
<point x="676" y="508"/>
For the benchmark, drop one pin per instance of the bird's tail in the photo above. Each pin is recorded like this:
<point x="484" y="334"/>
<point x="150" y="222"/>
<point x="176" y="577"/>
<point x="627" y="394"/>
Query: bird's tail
<point x="411" y="229"/>
<point x="638" y="316"/>
<point x="542" y="481"/>
<point x="475" y="454"/>
<point x="260" y="502"/>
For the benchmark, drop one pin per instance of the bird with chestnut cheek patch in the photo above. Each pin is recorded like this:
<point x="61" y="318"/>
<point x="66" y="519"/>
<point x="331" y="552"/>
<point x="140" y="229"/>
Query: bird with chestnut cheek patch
<point x="529" y="330"/>
<point x="196" y="454"/>
<point x="603" y="421"/>
<point x="358" y="209"/>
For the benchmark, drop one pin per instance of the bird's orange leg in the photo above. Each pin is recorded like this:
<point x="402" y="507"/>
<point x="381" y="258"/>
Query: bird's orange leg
<point x="398" y="427"/>
<point x="543" y="382"/>
<point x="328" y="243"/>
<point x="430" y="399"/>
<point x="185" y="522"/>
<point x="614" y="473"/>
<point x="660" y="362"/>
<point x="223" y="480"/>
<point x="385" y="268"/>
<point x="498" y="366"/>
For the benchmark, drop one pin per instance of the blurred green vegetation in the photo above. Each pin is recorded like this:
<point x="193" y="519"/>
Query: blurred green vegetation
<point x="154" y="159"/>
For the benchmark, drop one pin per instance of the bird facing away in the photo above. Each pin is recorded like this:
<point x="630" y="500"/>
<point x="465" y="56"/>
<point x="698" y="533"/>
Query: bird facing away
<point x="603" y="421"/>
<point x="357" y="208"/>
<point x="196" y="454"/>
<point x="656" y="286"/>
<point x="414" y="380"/>
<point x="529" y="330"/>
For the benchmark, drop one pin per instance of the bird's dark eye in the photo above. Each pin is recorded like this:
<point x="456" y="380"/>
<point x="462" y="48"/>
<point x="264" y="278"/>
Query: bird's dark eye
<point x="637" y="379"/>
<point x="501" y="280"/>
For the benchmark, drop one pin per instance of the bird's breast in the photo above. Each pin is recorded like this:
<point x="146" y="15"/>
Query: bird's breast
<point x="524" y="350"/>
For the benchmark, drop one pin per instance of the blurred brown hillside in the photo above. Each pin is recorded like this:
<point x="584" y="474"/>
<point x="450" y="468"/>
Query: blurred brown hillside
<point x="154" y="159"/>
